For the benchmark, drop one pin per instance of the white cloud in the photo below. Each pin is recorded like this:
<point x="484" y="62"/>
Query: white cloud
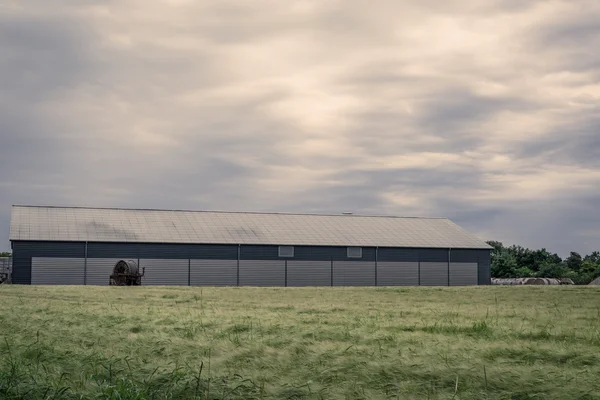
<point x="399" y="108"/>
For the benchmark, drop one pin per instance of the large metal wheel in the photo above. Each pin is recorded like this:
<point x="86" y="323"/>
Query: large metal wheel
<point x="126" y="273"/>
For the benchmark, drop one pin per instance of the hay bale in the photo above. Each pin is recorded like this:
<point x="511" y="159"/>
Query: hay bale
<point x="526" y="281"/>
<point x="595" y="281"/>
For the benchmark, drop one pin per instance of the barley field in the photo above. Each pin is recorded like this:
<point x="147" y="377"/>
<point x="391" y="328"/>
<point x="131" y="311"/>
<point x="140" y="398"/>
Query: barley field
<point x="299" y="343"/>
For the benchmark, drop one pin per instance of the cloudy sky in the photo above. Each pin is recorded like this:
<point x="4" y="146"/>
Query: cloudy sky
<point x="488" y="114"/>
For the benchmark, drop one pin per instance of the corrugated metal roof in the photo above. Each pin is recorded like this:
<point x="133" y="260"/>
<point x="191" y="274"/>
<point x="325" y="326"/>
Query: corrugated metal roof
<point x="171" y="226"/>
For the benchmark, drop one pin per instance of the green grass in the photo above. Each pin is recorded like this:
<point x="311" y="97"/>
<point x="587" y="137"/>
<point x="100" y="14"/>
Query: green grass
<point x="305" y="343"/>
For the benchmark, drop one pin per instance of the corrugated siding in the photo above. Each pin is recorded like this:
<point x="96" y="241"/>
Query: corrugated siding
<point x="213" y="272"/>
<point x="262" y="273"/>
<point x="100" y="269"/>
<point x="250" y="252"/>
<point x="434" y="274"/>
<point x="50" y="249"/>
<point x="397" y="274"/>
<point x="309" y="273"/>
<point x="433" y="255"/>
<point x="21" y="272"/>
<point x="122" y="251"/>
<point x="463" y="256"/>
<point x="103" y="256"/>
<point x="319" y="253"/>
<point x="353" y="273"/>
<point x="24" y="251"/>
<point x="164" y="272"/>
<point x="57" y="271"/>
<point x="397" y="254"/>
<point x="162" y="250"/>
<point x="463" y="274"/>
<point x="484" y="261"/>
<point x="484" y="273"/>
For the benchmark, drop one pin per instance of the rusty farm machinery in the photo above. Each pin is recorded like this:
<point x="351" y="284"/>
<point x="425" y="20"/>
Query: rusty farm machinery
<point x="126" y="273"/>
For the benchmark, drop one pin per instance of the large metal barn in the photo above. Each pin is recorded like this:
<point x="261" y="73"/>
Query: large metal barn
<point x="80" y="246"/>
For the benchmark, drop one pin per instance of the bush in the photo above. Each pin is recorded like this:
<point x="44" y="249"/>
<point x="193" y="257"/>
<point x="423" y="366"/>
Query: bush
<point x="523" y="272"/>
<point x="553" y="271"/>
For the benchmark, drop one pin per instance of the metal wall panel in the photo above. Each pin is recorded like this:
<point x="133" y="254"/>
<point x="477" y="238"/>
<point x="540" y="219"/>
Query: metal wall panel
<point x="50" y="249"/>
<point x="463" y="274"/>
<point x="21" y="272"/>
<point x="98" y="270"/>
<point x="463" y="256"/>
<point x="24" y="251"/>
<point x="159" y="272"/>
<point x="57" y="271"/>
<point x="433" y="255"/>
<point x="319" y="253"/>
<point x="484" y="261"/>
<point x="485" y="275"/>
<point x="397" y="254"/>
<point x="250" y="252"/>
<point x="123" y="251"/>
<point x="397" y="273"/>
<point x="434" y="274"/>
<point x="353" y="273"/>
<point x="162" y="250"/>
<point x="108" y="253"/>
<point x="328" y="253"/>
<point x="188" y="251"/>
<point x="213" y="272"/>
<point x="262" y="273"/>
<point x="309" y="273"/>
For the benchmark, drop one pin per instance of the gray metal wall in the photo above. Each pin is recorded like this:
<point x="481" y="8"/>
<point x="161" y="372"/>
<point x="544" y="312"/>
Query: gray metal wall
<point x="57" y="271"/>
<point x="230" y="265"/>
<point x="397" y="273"/>
<point x="309" y="273"/>
<point x="165" y="272"/>
<point x="353" y="273"/>
<point x="433" y="274"/>
<point x="262" y="273"/>
<point x="463" y="274"/>
<point x="98" y="270"/>
<point x="214" y="272"/>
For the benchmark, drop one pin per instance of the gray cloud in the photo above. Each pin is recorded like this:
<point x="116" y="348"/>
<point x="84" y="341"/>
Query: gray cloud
<point x="485" y="113"/>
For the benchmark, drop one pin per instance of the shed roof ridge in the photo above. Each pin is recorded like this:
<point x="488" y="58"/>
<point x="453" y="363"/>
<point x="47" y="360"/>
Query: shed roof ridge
<point x="228" y="212"/>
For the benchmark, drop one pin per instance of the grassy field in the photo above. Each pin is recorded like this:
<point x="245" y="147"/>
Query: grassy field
<point x="313" y="343"/>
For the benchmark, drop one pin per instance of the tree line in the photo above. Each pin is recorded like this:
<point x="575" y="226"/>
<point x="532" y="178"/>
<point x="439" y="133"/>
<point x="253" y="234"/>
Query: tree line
<point x="520" y="262"/>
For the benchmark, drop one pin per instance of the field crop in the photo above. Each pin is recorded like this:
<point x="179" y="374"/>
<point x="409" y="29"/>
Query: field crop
<point x="299" y="343"/>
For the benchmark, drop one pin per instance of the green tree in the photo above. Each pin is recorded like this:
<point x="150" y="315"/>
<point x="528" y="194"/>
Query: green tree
<point x="587" y="273"/>
<point x="504" y="265"/>
<point x="574" y="261"/>
<point x="517" y="261"/>
<point x="498" y="246"/>
<point x="5" y="254"/>
<point x="523" y="272"/>
<point x="553" y="271"/>
<point x="593" y="258"/>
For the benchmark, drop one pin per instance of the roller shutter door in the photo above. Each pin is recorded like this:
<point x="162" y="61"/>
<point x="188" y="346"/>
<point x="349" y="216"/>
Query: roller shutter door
<point x="397" y="273"/>
<point x="463" y="274"/>
<point x="309" y="273"/>
<point x="434" y="274"/>
<point x="57" y="271"/>
<point x="165" y="272"/>
<point x="353" y="273"/>
<point x="213" y="272"/>
<point x="100" y="269"/>
<point x="262" y="273"/>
